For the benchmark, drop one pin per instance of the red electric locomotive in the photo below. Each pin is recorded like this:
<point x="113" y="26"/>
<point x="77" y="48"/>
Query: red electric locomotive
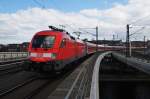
<point x="53" y="49"/>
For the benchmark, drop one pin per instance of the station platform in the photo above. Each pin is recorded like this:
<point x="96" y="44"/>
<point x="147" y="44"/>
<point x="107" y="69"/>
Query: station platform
<point x="78" y="83"/>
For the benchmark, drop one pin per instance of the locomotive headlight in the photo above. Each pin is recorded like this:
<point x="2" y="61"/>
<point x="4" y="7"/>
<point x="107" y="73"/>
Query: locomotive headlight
<point x="33" y="54"/>
<point x="47" y="55"/>
<point x="53" y="55"/>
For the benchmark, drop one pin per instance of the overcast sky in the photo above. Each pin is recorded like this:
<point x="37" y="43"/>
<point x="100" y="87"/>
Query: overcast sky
<point x="21" y="19"/>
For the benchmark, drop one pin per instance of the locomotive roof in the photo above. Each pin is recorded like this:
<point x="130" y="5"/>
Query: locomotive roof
<point x="78" y="40"/>
<point x="45" y="32"/>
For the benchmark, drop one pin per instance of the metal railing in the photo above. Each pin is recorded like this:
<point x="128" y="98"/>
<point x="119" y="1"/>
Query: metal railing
<point x="85" y="84"/>
<point x="94" y="92"/>
<point x="4" y="56"/>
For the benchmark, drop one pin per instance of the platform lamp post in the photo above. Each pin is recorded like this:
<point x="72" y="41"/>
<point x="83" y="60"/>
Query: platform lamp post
<point x="96" y="28"/>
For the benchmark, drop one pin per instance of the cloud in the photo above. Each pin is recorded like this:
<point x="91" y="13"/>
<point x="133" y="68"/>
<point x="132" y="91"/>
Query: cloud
<point x="22" y="25"/>
<point x="136" y="12"/>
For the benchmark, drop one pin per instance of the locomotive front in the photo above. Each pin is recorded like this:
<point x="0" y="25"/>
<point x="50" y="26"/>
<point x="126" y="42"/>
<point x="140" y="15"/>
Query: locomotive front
<point x="43" y="50"/>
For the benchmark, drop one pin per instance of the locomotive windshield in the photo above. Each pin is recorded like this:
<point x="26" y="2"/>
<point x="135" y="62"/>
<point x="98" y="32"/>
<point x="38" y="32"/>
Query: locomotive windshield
<point x="43" y="41"/>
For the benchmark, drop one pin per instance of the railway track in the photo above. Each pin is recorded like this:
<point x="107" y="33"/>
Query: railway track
<point x="31" y="87"/>
<point x="3" y="93"/>
<point x="38" y="89"/>
<point x="38" y="86"/>
<point x="12" y="61"/>
<point x="10" y="81"/>
<point x="28" y="89"/>
<point x="10" y="68"/>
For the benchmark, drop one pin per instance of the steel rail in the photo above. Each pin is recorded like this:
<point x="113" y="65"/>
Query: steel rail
<point x="37" y="90"/>
<point x="10" y="68"/>
<point x="18" y="86"/>
<point x="4" y="65"/>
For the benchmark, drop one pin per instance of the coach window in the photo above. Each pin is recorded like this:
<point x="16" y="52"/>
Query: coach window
<point x="63" y="43"/>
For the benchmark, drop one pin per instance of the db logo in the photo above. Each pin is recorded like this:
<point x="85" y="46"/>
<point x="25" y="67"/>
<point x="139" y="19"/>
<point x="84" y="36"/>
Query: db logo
<point x="39" y="55"/>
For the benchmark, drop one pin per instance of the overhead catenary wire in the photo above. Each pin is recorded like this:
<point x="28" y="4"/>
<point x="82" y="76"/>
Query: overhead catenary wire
<point x="137" y="32"/>
<point x="44" y="7"/>
<point x="140" y="19"/>
<point x="38" y="3"/>
<point x="74" y="28"/>
<point x="58" y="18"/>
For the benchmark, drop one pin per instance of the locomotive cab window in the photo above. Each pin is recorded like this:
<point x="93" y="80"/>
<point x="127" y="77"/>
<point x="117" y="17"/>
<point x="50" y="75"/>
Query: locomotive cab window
<point x="63" y="43"/>
<point x="43" y="41"/>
